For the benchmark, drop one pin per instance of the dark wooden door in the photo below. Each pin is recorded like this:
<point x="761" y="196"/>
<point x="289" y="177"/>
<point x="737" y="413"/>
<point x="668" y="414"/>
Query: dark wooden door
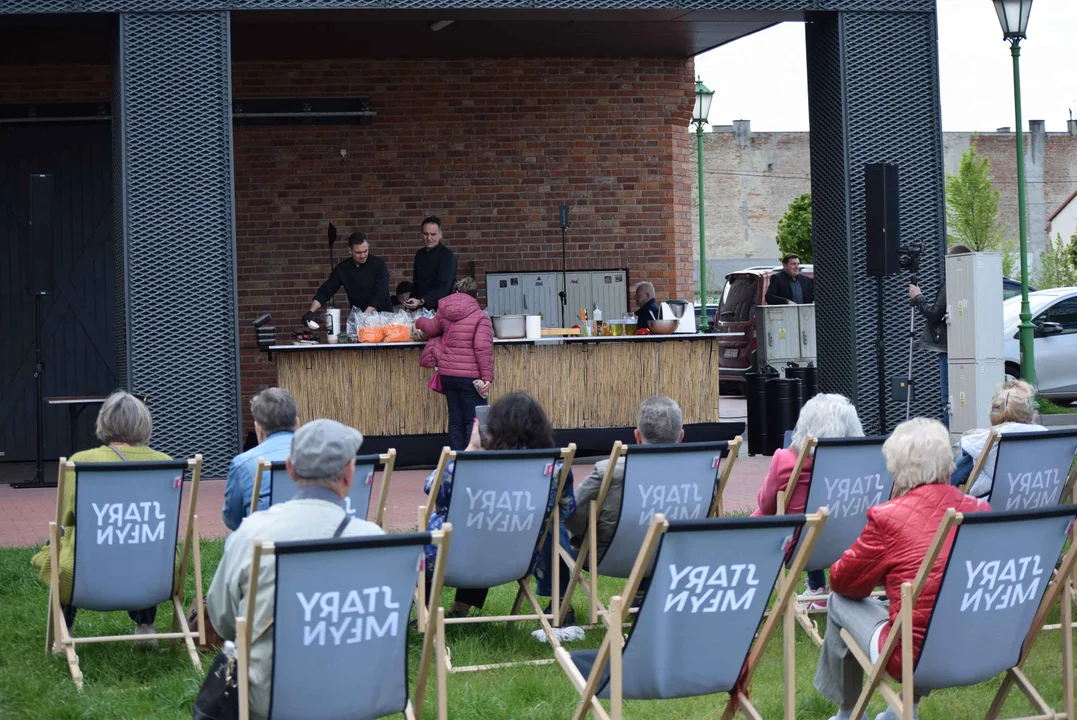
<point x="78" y="337"/>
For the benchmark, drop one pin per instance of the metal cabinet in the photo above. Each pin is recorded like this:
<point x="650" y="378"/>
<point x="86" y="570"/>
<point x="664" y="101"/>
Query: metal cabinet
<point x="778" y="334"/>
<point x="538" y="294"/>
<point x="609" y="290"/>
<point x="504" y="295"/>
<point x="540" y="297"/>
<point x="578" y="293"/>
<point x="973" y="306"/>
<point x="806" y="318"/>
<point x="972" y="383"/>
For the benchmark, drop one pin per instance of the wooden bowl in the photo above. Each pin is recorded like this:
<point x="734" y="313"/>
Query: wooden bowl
<point x="663" y="327"/>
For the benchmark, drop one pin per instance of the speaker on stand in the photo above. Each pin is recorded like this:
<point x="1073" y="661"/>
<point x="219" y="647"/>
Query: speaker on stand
<point x="883" y="235"/>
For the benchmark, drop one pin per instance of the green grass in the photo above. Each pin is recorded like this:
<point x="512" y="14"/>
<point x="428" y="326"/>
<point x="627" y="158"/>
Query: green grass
<point x="1048" y="407"/>
<point x="125" y="682"/>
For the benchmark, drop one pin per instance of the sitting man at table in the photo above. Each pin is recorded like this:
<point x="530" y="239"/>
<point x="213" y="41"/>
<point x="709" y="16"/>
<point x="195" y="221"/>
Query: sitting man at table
<point x="275" y="420"/>
<point x="648" y="307"/>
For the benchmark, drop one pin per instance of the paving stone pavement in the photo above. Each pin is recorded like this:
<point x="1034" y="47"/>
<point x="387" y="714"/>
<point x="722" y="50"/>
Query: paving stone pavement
<point x="25" y="513"/>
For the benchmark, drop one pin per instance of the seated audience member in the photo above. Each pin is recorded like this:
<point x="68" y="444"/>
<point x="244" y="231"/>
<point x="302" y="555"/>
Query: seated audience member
<point x="515" y="422"/>
<point x="275" y="420"/>
<point x="1012" y="411"/>
<point x="322" y="463"/>
<point x="888" y="553"/>
<point x="403" y="294"/>
<point x="659" y="422"/>
<point x="124" y="427"/>
<point x="824" y="416"/>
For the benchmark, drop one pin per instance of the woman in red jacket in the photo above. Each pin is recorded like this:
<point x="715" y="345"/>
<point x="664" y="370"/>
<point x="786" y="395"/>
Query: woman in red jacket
<point x="466" y="355"/>
<point x="888" y="553"/>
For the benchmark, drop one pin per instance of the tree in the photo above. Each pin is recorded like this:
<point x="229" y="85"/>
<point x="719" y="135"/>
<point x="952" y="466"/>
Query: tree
<point x="1056" y="269"/>
<point x="972" y="210"/>
<point x="794" y="229"/>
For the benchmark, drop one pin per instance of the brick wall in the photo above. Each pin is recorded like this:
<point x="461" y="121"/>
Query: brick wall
<point x="491" y="146"/>
<point x="55" y="84"/>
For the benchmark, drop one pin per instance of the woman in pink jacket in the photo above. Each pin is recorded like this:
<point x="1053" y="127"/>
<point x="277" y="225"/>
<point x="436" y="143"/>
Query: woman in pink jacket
<point x="466" y="355"/>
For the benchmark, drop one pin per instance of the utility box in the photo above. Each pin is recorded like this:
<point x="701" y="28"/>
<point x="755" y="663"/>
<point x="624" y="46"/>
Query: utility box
<point x="778" y="334"/>
<point x="504" y="294"/>
<point x="974" y="306"/>
<point x="540" y="297"/>
<point x="972" y="383"/>
<point x="538" y="294"/>
<point x="807" y="331"/>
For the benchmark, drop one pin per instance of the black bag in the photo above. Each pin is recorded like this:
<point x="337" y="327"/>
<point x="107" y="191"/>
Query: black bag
<point x="218" y="699"/>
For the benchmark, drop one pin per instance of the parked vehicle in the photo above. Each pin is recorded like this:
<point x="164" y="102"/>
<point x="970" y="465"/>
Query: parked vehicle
<point x="1054" y="315"/>
<point x="743" y="290"/>
<point x="1012" y="288"/>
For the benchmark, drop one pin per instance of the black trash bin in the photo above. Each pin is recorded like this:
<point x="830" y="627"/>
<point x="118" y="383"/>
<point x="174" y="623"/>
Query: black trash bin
<point x="756" y="401"/>
<point x="808" y="376"/>
<point x="783" y="409"/>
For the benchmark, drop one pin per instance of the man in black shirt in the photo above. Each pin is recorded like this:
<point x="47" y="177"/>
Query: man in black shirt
<point x="648" y="306"/>
<point x="788" y="286"/>
<point x="434" y="271"/>
<point x="364" y="277"/>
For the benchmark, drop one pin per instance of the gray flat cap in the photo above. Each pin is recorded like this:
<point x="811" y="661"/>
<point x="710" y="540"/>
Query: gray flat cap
<point x="321" y="448"/>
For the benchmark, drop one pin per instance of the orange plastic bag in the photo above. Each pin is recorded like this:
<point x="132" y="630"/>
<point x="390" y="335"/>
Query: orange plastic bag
<point x="397" y="333"/>
<point x="371" y="334"/>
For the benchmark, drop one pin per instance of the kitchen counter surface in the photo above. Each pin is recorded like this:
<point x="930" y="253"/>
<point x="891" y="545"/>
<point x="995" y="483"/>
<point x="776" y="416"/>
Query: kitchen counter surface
<point x="549" y="340"/>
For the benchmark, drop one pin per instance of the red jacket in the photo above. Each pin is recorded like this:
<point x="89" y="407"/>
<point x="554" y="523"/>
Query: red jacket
<point x="467" y="337"/>
<point x="891" y="549"/>
<point x="781" y="469"/>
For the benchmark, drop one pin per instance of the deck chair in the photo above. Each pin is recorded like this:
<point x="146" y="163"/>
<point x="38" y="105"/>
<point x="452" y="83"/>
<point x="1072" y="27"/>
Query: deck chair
<point x="848" y="476"/>
<point x="683" y="481"/>
<point x="698" y="630"/>
<point x="1032" y="470"/>
<point x="282" y="488"/>
<point x="127" y="516"/>
<point x="996" y="591"/>
<point x="498" y="507"/>
<point x="347" y="658"/>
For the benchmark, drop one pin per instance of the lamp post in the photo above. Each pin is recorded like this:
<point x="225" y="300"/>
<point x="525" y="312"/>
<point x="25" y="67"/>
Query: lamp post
<point x="699" y="119"/>
<point x="1013" y="17"/>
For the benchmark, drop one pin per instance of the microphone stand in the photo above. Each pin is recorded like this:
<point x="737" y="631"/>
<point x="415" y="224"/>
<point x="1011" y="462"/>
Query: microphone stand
<point x="564" y="274"/>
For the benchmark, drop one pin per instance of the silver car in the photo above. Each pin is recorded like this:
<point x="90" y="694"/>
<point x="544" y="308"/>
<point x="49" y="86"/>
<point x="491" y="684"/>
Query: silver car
<point x="1054" y="313"/>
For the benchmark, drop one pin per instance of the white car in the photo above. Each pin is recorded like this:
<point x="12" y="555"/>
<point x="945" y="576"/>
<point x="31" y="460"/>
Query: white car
<point x="1054" y="313"/>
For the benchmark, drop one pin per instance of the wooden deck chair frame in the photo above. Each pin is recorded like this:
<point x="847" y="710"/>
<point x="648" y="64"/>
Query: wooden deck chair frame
<point x="613" y="642"/>
<point x="524" y="591"/>
<point x="387" y="460"/>
<point x="244" y="633"/>
<point x="902" y="628"/>
<point x="58" y="640"/>
<point x="993" y="438"/>
<point x="588" y="555"/>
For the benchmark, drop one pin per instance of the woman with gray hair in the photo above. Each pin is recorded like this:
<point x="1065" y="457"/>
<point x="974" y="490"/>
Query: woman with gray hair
<point x="824" y="416"/>
<point x="124" y="428"/>
<point x="889" y="552"/>
<point x="1012" y="411"/>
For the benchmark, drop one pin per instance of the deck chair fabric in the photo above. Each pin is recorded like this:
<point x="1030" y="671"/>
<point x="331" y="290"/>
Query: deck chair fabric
<point x="678" y="480"/>
<point x="848" y="476"/>
<point x="341" y="625"/>
<point x="1031" y="469"/>
<point x="995" y="592"/>
<point x="358" y="503"/>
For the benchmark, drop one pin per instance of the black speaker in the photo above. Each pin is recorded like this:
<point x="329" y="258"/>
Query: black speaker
<point x="564" y="216"/>
<point x="38" y="246"/>
<point x="882" y="224"/>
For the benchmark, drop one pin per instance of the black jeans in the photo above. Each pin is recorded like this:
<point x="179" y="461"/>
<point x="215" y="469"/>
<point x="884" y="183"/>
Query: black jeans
<point x="462" y="398"/>
<point x="140" y="617"/>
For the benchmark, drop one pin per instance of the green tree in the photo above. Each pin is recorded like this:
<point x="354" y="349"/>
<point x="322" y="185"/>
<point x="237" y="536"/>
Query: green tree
<point x="972" y="210"/>
<point x="1056" y="269"/>
<point x="794" y="229"/>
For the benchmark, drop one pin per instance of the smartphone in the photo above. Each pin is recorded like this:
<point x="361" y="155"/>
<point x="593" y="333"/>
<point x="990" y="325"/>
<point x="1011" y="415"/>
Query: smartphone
<point x="480" y="414"/>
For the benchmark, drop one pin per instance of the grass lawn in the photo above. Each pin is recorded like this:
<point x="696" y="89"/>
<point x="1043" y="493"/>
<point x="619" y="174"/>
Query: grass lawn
<point x="1048" y="407"/>
<point x="126" y="682"/>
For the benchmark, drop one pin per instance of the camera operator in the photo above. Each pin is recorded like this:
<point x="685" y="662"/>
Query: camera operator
<point x="933" y="338"/>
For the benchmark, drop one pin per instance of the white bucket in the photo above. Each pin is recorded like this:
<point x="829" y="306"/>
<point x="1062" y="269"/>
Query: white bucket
<point x="533" y="327"/>
<point x="332" y="321"/>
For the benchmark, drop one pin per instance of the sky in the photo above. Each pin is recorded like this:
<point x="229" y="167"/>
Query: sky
<point x="975" y="71"/>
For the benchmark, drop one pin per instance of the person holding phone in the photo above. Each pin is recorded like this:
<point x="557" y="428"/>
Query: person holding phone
<point x="466" y="356"/>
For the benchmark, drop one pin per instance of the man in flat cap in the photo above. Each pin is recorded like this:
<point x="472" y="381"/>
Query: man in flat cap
<point x="322" y="463"/>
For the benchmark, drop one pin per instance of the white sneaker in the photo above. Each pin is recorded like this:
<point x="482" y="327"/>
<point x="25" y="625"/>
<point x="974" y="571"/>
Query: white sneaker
<point x="146" y="629"/>
<point x="813" y="605"/>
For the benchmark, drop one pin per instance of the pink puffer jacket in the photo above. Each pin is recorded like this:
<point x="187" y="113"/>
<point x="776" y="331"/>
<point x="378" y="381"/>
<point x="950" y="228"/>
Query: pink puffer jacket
<point x="467" y="338"/>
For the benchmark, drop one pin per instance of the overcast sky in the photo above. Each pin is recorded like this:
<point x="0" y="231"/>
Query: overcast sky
<point x="769" y="85"/>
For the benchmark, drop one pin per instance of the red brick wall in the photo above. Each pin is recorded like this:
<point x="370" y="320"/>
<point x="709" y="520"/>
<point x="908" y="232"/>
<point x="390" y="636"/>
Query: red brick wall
<point x="55" y="84"/>
<point x="491" y="146"/>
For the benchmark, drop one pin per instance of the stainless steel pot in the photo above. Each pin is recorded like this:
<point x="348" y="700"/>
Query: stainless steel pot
<point x="507" y="327"/>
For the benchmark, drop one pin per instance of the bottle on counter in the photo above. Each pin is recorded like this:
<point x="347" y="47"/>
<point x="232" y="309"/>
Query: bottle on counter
<point x="598" y="321"/>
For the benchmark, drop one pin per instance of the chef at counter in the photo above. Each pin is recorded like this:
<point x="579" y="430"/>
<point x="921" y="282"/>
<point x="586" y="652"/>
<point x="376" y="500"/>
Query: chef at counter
<point x="648" y="307"/>
<point x="434" y="271"/>
<point x="365" y="279"/>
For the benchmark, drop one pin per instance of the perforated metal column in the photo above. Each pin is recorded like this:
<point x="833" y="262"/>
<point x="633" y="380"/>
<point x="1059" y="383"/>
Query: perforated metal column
<point x="177" y="219"/>
<point x="874" y="97"/>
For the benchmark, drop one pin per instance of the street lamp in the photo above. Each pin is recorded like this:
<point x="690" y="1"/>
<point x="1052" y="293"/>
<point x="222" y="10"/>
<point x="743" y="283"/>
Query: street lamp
<point x="699" y="119"/>
<point x="1013" y="17"/>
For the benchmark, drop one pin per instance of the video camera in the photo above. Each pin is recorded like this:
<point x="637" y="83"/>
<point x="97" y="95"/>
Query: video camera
<point x="910" y="260"/>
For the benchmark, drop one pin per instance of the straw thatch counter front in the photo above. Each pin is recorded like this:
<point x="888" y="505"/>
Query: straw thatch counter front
<point x="591" y="383"/>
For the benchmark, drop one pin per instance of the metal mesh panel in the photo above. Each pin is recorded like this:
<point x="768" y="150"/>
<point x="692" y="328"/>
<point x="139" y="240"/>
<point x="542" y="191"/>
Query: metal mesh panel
<point x="118" y="238"/>
<point x="888" y="80"/>
<point x="176" y="135"/>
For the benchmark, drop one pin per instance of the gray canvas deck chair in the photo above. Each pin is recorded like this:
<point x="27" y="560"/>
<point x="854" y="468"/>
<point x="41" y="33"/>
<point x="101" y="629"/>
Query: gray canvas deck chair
<point x="698" y="631"/>
<point x="498" y="507"/>
<point x="1031" y="470"/>
<point x="996" y="591"/>
<point x="127" y="517"/>
<point x="340" y="626"/>
<point x="281" y="487"/>
<point x="847" y="476"/>
<point x="683" y="481"/>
